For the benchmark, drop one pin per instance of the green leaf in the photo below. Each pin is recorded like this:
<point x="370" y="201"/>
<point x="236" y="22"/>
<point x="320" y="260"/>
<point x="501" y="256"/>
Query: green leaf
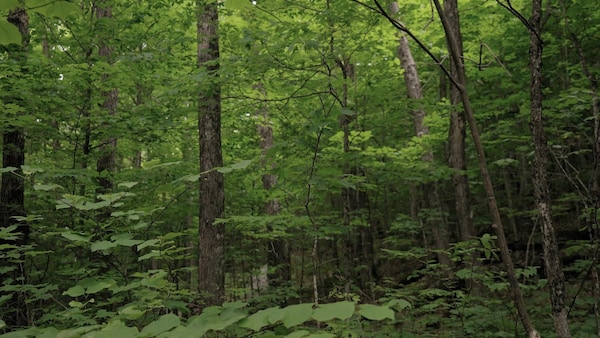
<point x="58" y="9"/>
<point x="149" y="255"/>
<point x="29" y="170"/>
<point x="7" y="169"/>
<point x="9" y="34"/>
<point x="131" y="312"/>
<point x="2" y="323"/>
<point x="163" y="324"/>
<point x="150" y="242"/>
<point x="241" y="165"/>
<point x="128" y="242"/>
<point x="75" y="291"/>
<point x="298" y="334"/>
<point x="46" y="187"/>
<point x="260" y="319"/>
<point x="97" y="287"/>
<point x="9" y="4"/>
<point x="127" y="185"/>
<point x="297" y="314"/>
<point x="102" y="245"/>
<point x="375" y="312"/>
<point x="325" y="312"/>
<point x="75" y="237"/>
<point x="238" y="4"/>
<point x="114" y="329"/>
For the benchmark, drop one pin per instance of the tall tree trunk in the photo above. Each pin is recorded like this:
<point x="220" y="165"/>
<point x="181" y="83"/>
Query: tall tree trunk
<point x="456" y="135"/>
<point x="278" y="257"/>
<point x="592" y="218"/>
<point x="461" y="83"/>
<point x="429" y="194"/>
<point x="554" y="273"/>
<point x="12" y="189"/>
<point x="106" y="163"/>
<point x="211" y="260"/>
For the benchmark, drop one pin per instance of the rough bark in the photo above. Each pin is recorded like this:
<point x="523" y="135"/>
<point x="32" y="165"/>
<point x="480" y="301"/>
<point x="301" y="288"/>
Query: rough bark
<point x="456" y="135"/>
<point x="106" y="163"/>
<point x="211" y="260"/>
<point x="554" y="273"/>
<point x="461" y="83"/>
<point x="429" y="196"/>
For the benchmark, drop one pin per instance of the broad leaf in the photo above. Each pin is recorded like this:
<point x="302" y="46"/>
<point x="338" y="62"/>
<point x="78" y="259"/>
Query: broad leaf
<point x="325" y="312"/>
<point x="75" y="291"/>
<point x="75" y="237"/>
<point x="164" y="323"/>
<point x="102" y="245"/>
<point x="58" y="9"/>
<point x="297" y="314"/>
<point x="9" y="34"/>
<point x="375" y="312"/>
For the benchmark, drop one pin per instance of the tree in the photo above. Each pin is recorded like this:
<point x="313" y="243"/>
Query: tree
<point x="211" y="232"/>
<point x="429" y="198"/>
<point x="12" y="189"/>
<point x="106" y="163"/>
<point x="456" y="134"/>
<point x="552" y="262"/>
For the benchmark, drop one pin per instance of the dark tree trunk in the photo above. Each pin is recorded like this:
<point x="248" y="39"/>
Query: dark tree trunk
<point x="461" y="83"/>
<point x="106" y="163"/>
<point x="12" y="189"/>
<point x="211" y="274"/>
<point x="456" y="136"/>
<point x="554" y="273"/>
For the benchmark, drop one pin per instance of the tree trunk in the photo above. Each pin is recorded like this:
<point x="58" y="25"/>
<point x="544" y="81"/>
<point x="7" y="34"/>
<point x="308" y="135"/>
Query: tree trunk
<point x="554" y="273"/>
<point x="429" y="197"/>
<point x="461" y="83"/>
<point x="106" y="163"/>
<point x="12" y="189"/>
<point x="278" y="257"/>
<point x="456" y="135"/>
<point x="211" y="260"/>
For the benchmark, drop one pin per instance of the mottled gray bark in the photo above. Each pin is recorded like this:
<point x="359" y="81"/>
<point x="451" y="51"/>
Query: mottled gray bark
<point x="554" y="273"/>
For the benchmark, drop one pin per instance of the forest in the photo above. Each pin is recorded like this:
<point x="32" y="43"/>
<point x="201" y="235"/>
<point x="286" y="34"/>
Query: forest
<point x="299" y="168"/>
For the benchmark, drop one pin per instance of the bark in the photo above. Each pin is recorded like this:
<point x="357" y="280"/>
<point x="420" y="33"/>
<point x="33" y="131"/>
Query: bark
<point x="12" y="188"/>
<point x="554" y="273"/>
<point x="461" y="83"/>
<point x="456" y="135"/>
<point x="429" y="196"/>
<point x="211" y="260"/>
<point x="106" y="163"/>
<point x="278" y="248"/>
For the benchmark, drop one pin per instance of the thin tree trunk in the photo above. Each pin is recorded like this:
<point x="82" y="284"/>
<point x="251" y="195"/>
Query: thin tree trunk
<point x="429" y="197"/>
<point x="461" y="82"/>
<point x="211" y="260"/>
<point x="106" y="163"/>
<point x="456" y="135"/>
<point x="278" y="257"/>
<point x="554" y="273"/>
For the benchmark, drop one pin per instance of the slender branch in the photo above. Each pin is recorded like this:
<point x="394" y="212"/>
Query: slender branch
<point x="403" y="28"/>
